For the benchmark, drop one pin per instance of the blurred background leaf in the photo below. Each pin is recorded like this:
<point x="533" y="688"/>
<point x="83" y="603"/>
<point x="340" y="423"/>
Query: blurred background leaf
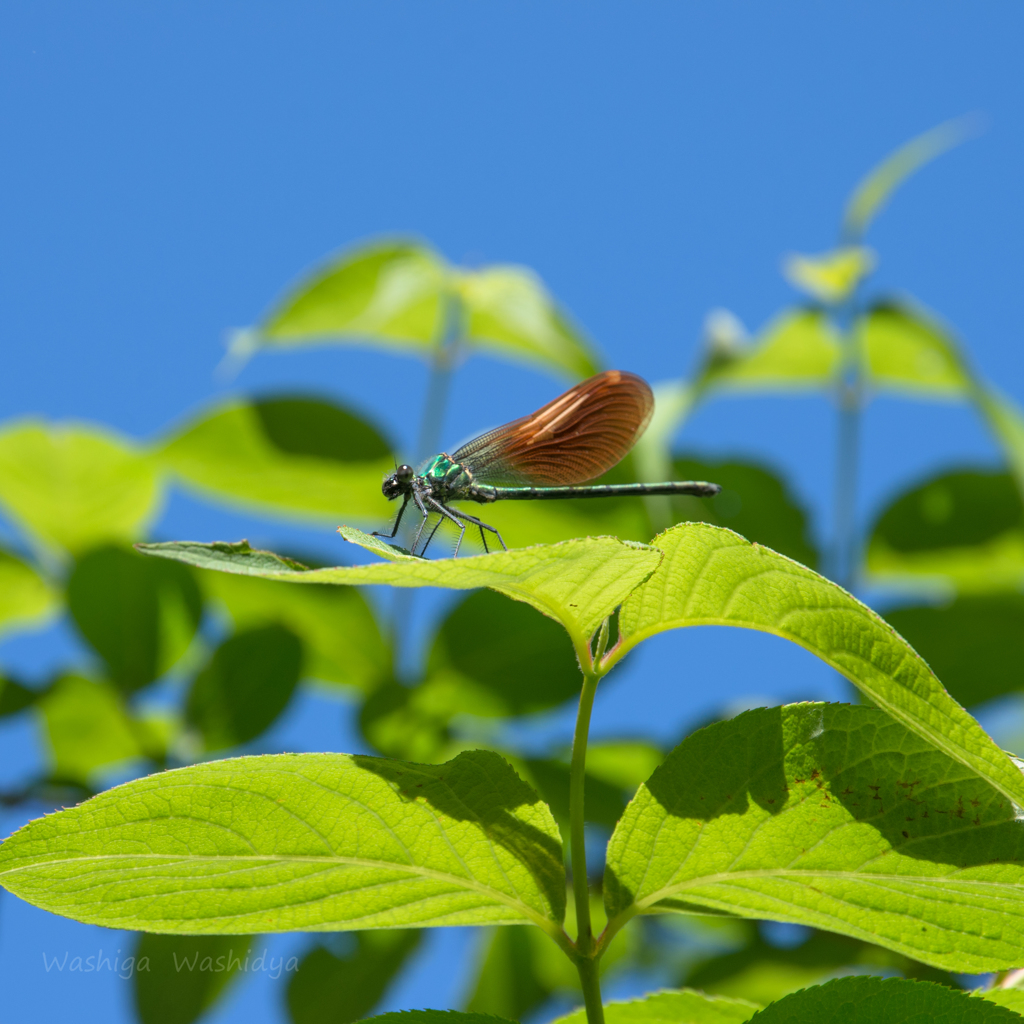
<point x="962" y="529"/>
<point x="332" y="987"/>
<point x="74" y="487"/>
<point x="975" y="645"/>
<point x="14" y="697"/>
<point x="829" y="277"/>
<point x="340" y="636"/>
<point x="138" y="614"/>
<point x="247" y="683"/>
<point x="25" y="597"/>
<point x="87" y="728"/>
<point x="178" y="987"/>
<point x="305" y="456"/>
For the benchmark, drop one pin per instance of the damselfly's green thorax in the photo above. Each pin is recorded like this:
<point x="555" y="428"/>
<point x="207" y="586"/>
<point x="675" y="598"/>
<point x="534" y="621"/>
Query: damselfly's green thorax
<point x="548" y="455"/>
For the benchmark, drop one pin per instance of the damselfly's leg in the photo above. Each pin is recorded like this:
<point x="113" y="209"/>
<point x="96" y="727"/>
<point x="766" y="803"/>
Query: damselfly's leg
<point x="398" y="522"/>
<point x="423" y="522"/>
<point x="437" y="526"/>
<point x="483" y="526"/>
<point x="448" y="514"/>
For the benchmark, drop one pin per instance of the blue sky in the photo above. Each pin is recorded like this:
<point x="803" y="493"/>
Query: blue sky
<point x="169" y="168"/>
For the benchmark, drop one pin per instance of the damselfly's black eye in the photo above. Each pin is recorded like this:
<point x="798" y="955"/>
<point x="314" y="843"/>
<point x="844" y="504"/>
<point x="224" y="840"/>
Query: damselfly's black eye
<point x="404" y="473"/>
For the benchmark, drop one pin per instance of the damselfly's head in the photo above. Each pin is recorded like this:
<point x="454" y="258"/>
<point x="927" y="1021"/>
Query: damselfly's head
<point x="400" y="482"/>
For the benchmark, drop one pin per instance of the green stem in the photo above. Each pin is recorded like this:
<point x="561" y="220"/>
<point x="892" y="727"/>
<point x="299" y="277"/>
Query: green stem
<point x="586" y="948"/>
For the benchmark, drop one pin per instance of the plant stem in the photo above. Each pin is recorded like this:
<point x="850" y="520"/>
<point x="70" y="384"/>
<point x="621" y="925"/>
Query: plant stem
<point x="586" y="961"/>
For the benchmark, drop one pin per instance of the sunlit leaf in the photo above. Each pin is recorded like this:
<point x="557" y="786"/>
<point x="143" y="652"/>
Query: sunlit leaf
<point x="963" y="529"/>
<point x="753" y="501"/>
<point x="1011" y="998"/>
<point x="1007" y="423"/>
<point x="87" y="728"/>
<point x="249" y="681"/>
<point x="684" y="1006"/>
<point x="874" y="191"/>
<point x="303" y="456"/>
<point x="829" y="277"/>
<point x="712" y="576"/>
<point x="340" y="636"/>
<point x="330" y="989"/>
<point x="387" y="291"/>
<point x="75" y="486"/>
<point x="26" y="599"/>
<point x="578" y="582"/>
<point x="798" y="350"/>
<point x="299" y="842"/>
<point x="906" y="351"/>
<point x="974" y="645"/>
<point x="521" y="661"/>
<point x="138" y="616"/>
<point x="833" y="816"/>
<point x="509" y="312"/>
<point x="869" y="1000"/>
<point x="184" y="975"/>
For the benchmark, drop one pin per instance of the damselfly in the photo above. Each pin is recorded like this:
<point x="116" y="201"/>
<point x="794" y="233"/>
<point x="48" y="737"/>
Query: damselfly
<point x="549" y="454"/>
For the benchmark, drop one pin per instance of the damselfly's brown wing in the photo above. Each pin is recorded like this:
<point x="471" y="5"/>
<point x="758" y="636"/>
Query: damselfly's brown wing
<point x="571" y="440"/>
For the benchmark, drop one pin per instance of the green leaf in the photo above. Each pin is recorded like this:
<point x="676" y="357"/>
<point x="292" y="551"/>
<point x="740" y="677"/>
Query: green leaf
<point x="340" y="636"/>
<point x="249" y="681"/>
<point x="868" y="1000"/>
<point x="797" y="350"/>
<point x="509" y="312"/>
<point x="185" y="974"/>
<point x="764" y="973"/>
<point x="139" y="615"/>
<point x="829" y="277"/>
<point x="87" y="728"/>
<point x="906" y="351"/>
<point x="834" y="816"/>
<point x="299" y="842"/>
<point x="963" y="529"/>
<point x="436" y="1017"/>
<point x="603" y="801"/>
<point x="578" y="582"/>
<point x="873" y="192"/>
<point x="26" y="599"/>
<point x="753" y="501"/>
<point x="302" y="456"/>
<point x="411" y="723"/>
<point x="1007" y="423"/>
<point x="14" y="697"/>
<point x="75" y="487"/>
<point x="331" y="989"/>
<point x="518" y="661"/>
<point x="974" y="645"/>
<point x="712" y="576"/>
<point x="623" y="763"/>
<point x="1011" y="998"/>
<point x="680" y="1007"/>
<point x="388" y="291"/>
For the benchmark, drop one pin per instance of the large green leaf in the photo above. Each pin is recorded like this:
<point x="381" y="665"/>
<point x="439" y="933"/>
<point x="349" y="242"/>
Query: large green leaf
<point x="389" y="291"/>
<point x="906" y="351"/>
<point x="875" y="189"/>
<point x="509" y="312"/>
<point x="1012" y="998"/>
<point x="962" y="529"/>
<point x="868" y="1000"/>
<point x="87" y="728"/>
<point x="248" y="682"/>
<point x="25" y="597"/>
<point x="184" y="975"/>
<point x="299" y="842"/>
<point x="578" y="582"/>
<point x="798" y="349"/>
<point x="138" y="615"/>
<point x="712" y="576"/>
<point x="684" y="1006"/>
<point x="340" y="636"/>
<point x="753" y="501"/>
<point x="834" y="816"/>
<point x="330" y="989"/>
<point x="75" y="486"/>
<point x="518" y="661"/>
<point x="975" y="645"/>
<point x="303" y="456"/>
